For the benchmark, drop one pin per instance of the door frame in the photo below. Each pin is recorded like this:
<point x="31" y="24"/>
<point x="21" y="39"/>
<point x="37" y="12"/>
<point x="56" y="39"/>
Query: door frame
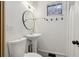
<point x="2" y="29"/>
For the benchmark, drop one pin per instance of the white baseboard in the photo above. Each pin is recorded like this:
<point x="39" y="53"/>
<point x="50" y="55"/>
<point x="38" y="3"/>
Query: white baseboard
<point x="46" y="51"/>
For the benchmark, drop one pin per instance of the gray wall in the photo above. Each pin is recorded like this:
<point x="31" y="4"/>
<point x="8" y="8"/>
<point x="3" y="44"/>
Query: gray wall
<point x="54" y="37"/>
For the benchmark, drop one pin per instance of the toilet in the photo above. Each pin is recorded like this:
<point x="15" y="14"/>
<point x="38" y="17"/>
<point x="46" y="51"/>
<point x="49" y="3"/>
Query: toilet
<point x="16" y="48"/>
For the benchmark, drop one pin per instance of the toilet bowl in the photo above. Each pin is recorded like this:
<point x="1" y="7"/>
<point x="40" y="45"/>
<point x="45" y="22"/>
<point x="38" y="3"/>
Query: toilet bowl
<point x="16" y="48"/>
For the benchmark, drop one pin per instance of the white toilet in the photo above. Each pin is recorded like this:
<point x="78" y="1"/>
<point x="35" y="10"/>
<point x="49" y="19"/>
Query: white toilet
<point x="16" y="48"/>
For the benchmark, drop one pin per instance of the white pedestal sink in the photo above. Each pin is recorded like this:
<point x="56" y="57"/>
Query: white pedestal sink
<point x="33" y="38"/>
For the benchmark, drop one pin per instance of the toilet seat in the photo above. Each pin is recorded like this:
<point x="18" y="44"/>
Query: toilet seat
<point x="32" y="55"/>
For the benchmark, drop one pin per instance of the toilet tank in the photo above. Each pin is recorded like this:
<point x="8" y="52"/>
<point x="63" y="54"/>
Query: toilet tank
<point x="16" y="48"/>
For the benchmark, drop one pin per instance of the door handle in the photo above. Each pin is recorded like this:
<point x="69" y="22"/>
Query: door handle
<point x="75" y="42"/>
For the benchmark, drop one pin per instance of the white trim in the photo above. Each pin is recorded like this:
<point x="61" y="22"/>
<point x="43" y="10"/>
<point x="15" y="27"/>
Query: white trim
<point x="47" y="51"/>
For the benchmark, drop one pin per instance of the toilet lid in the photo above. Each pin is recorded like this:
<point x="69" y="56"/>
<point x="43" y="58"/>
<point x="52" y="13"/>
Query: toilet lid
<point x="32" y="55"/>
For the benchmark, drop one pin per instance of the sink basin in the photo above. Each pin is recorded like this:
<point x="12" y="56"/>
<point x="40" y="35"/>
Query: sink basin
<point x="33" y="36"/>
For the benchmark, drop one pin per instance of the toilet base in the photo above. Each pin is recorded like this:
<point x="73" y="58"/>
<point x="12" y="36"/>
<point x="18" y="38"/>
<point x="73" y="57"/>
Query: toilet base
<point x="32" y="55"/>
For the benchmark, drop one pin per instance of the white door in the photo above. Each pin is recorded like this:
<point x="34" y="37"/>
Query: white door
<point x="74" y="31"/>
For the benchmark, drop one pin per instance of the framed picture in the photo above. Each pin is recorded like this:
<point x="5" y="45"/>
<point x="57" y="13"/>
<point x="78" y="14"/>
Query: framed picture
<point x="54" y="9"/>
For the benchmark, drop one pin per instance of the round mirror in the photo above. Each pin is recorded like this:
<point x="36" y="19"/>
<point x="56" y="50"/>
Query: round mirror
<point x="28" y="20"/>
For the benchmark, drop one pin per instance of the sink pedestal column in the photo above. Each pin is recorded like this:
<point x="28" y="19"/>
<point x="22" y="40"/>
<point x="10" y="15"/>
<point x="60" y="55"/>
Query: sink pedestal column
<point x="27" y="44"/>
<point x="34" y="46"/>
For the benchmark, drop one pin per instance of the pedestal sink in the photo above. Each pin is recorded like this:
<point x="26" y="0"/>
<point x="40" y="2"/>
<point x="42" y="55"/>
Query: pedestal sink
<point x="33" y="38"/>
